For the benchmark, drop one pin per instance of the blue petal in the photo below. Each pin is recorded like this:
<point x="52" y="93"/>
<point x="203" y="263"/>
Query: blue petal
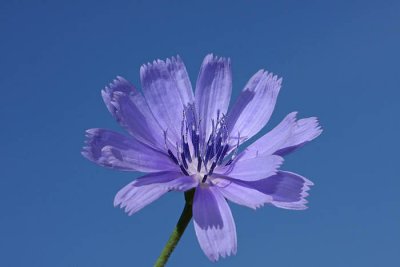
<point x="213" y="223"/>
<point x="114" y="150"/>
<point x="130" y="109"/>
<point x="254" y="106"/>
<point x="213" y="92"/>
<point x="288" y="190"/>
<point x="289" y="135"/>
<point x="143" y="191"/>
<point x="167" y="90"/>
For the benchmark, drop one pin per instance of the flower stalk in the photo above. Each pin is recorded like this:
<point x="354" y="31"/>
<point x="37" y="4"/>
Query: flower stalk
<point x="177" y="233"/>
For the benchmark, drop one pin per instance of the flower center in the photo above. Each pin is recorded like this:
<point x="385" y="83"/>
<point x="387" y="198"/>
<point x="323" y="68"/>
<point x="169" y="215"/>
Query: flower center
<point x="196" y="155"/>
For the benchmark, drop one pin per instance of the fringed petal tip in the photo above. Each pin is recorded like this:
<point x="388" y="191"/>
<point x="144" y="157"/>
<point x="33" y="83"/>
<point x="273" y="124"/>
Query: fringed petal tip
<point x="118" y="87"/>
<point x="299" y="204"/>
<point x="289" y="135"/>
<point x="214" y="257"/>
<point x="267" y="78"/>
<point x="118" y="84"/>
<point x="310" y="127"/>
<point x="173" y="62"/>
<point x="212" y="251"/>
<point x="218" y="60"/>
<point x="303" y="132"/>
<point x="97" y="150"/>
<point x="272" y="80"/>
<point x="88" y="150"/>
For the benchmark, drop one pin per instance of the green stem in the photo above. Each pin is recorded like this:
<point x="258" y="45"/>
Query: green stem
<point x="180" y="227"/>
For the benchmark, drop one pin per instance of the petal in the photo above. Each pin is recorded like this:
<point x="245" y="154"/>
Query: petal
<point x="213" y="223"/>
<point x="284" y="138"/>
<point x="167" y="90"/>
<point x="130" y="109"/>
<point x="288" y="190"/>
<point x="254" y="106"/>
<point x="213" y="92"/>
<point x="176" y="180"/>
<point x="304" y="131"/>
<point x="178" y="72"/>
<point x="251" y="169"/>
<point x="273" y="140"/>
<point x="143" y="191"/>
<point x="241" y="194"/>
<point x="111" y="149"/>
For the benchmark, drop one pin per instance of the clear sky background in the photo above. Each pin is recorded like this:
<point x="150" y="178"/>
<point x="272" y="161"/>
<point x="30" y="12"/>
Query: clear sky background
<point x="339" y="61"/>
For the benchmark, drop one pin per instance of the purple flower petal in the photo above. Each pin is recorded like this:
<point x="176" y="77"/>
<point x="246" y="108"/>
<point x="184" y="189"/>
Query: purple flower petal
<point x="305" y="131"/>
<point x="130" y="109"/>
<point x="241" y="194"/>
<point x="114" y="150"/>
<point x="213" y="223"/>
<point x="273" y="140"/>
<point x="149" y="188"/>
<point x="178" y="72"/>
<point x="288" y="190"/>
<point x="205" y="208"/>
<point x="213" y="92"/>
<point x="176" y="180"/>
<point x="186" y="141"/>
<point x="167" y="90"/>
<point x="254" y="106"/>
<point x="251" y="169"/>
<point x="284" y="138"/>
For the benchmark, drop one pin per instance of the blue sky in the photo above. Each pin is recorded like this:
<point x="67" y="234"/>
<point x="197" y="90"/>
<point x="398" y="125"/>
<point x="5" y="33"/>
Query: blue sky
<point x="338" y="59"/>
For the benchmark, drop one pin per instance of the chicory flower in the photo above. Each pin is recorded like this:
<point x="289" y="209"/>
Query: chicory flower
<point x="187" y="140"/>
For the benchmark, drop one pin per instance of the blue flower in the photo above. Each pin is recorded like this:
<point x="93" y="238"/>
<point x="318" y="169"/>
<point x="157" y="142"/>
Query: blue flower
<point x="185" y="141"/>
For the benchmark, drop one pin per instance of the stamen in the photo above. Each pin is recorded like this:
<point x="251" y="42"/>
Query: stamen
<point x="183" y="122"/>
<point x="186" y="150"/>
<point x="218" y="147"/>
<point x="222" y="156"/>
<point x="213" y="165"/>
<point x="219" y="152"/>
<point x="184" y="160"/>
<point x="172" y="156"/>
<point x="196" y="144"/>
<point x="225" y="132"/>
<point x="193" y="136"/>
<point x="204" y="179"/>
<point x="209" y="152"/>
<point x="234" y="152"/>
<point x="183" y="170"/>
<point x="198" y="163"/>
<point x="205" y="166"/>
<point x="229" y="162"/>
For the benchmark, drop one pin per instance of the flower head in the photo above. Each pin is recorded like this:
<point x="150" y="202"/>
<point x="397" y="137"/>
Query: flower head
<point x="185" y="141"/>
